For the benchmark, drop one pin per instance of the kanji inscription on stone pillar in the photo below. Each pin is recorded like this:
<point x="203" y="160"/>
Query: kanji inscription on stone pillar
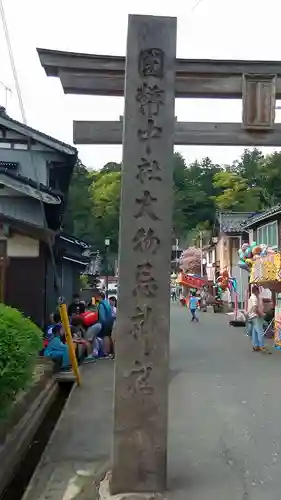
<point x="143" y="319"/>
<point x="258" y="99"/>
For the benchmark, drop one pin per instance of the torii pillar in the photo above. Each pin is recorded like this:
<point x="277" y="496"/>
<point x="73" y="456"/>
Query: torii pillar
<point x="143" y="319"/>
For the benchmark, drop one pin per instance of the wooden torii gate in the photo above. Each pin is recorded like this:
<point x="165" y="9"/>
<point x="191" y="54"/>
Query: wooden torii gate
<point x="151" y="77"/>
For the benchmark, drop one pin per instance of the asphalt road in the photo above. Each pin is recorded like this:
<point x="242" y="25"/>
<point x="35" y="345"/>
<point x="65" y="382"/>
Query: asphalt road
<point x="224" y="420"/>
<point x="225" y="413"/>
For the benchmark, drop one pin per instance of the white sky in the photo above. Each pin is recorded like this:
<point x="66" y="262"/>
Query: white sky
<point x="233" y="29"/>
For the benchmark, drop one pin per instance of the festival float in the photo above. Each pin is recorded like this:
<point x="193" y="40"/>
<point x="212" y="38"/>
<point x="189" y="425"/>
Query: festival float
<point x="190" y="276"/>
<point x="264" y="265"/>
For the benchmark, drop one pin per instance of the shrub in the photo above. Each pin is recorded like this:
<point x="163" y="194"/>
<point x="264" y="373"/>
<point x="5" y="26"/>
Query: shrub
<point x="20" y="342"/>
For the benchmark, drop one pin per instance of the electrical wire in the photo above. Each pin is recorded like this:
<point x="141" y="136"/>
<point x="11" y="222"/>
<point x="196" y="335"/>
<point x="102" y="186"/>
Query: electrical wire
<point x="61" y="301"/>
<point x="12" y="61"/>
<point x="37" y="180"/>
<point x="196" y="5"/>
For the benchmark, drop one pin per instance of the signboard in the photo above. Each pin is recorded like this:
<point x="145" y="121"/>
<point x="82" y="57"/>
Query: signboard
<point x="258" y="97"/>
<point x="191" y="281"/>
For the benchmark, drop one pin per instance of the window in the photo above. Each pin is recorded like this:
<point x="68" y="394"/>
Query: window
<point x="268" y="235"/>
<point x="20" y="146"/>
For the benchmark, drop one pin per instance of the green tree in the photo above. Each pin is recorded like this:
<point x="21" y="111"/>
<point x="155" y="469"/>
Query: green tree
<point x="111" y="167"/>
<point x="248" y="166"/>
<point x="250" y="183"/>
<point x="105" y="192"/>
<point x="235" y="193"/>
<point x="193" y="194"/>
<point x="78" y="216"/>
<point x="269" y="179"/>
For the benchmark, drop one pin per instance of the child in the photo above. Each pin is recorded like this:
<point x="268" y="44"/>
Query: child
<point x="54" y="320"/>
<point x="56" y="349"/>
<point x="193" y="305"/>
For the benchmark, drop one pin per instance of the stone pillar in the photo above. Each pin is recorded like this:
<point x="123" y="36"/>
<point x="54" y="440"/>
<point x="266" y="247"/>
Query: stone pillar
<point x="142" y="333"/>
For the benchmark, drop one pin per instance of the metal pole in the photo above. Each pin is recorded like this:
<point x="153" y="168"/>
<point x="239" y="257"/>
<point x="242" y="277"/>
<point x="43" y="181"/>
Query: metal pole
<point x="69" y="340"/>
<point x="7" y="89"/>
<point x="106" y="271"/>
<point x="201" y="251"/>
<point x="177" y="250"/>
<point x="107" y="244"/>
<point x="240" y="296"/>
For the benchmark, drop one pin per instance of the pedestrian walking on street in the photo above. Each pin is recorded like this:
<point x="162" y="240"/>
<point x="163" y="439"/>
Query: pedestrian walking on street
<point x="193" y="306"/>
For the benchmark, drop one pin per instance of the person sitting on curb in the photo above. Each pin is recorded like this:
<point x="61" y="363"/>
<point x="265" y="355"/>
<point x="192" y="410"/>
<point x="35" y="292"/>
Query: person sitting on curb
<point x="56" y="349"/>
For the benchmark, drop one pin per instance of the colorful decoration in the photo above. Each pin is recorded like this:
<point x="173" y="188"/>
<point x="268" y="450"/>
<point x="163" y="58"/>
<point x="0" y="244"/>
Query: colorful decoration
<point x="226" y="282"/>
<point x="190" y="260"/>
<point x="266" y="271"/>
<point x="249" y="253"/>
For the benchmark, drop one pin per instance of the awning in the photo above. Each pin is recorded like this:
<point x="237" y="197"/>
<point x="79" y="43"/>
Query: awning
<point x="23" y="188"/>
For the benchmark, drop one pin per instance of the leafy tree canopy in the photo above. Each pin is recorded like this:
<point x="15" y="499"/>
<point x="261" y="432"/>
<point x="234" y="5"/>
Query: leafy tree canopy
<point x="250" y="183"/>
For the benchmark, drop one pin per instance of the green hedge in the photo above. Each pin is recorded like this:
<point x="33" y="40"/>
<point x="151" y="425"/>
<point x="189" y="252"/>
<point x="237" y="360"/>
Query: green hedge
<point x="20" y="342"/>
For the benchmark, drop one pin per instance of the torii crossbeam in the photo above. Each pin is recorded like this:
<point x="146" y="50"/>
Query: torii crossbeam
<point x="195" y="78"/>
<point x="258" y="83"/>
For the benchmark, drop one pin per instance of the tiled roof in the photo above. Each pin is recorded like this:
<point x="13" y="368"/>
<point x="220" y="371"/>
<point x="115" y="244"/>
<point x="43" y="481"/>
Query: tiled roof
<point x="261" y="216"/>
<point x="21" y="128"/>
<point x="30" y="182"/>
<point x="232" y="222"/>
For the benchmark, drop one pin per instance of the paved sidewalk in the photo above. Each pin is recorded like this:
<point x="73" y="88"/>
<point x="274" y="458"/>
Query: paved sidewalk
<point x="224" y="421"/>
<point x="80" y="445"/>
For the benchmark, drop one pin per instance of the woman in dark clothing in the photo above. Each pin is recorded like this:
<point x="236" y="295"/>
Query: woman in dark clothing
<point x="106" y="320"/>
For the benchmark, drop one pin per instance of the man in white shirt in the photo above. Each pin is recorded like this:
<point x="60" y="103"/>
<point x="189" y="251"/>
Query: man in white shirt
<point x="255" y="315"/>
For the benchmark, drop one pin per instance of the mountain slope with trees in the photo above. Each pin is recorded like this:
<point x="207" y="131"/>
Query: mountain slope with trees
<point x="250" y="183"/>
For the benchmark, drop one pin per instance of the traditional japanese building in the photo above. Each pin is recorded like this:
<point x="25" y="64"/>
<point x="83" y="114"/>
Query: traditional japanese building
<point x="35" y="173"/>
<point x="230" y="234"/>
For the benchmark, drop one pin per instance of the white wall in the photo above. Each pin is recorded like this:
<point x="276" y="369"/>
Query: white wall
<point x="22" y="246"/>
<point x="251" y="236"/>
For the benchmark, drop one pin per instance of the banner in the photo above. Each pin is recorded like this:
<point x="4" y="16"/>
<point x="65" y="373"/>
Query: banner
<point x="191" y="281"/>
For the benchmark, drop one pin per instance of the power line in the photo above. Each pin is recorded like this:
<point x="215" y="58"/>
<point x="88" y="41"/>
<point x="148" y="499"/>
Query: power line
<point x="196" y="5"/>
<point x="12" y="61"/>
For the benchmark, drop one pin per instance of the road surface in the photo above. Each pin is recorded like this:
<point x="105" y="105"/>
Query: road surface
<point x="225" y="413"/>
<point x="224" y="421"/>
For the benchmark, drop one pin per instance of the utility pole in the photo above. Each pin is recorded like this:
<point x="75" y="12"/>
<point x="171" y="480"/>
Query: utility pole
<point x="177" y="250"/>
<point x="107" y="245"/>
<point x="201" y="253"/>
<point x="7" y="90"/>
